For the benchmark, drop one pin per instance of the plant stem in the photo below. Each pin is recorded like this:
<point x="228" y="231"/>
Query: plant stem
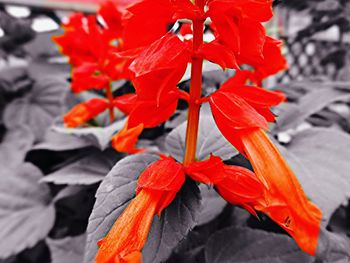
<point x="110" y="98"/>
<point x="195" y="91"/>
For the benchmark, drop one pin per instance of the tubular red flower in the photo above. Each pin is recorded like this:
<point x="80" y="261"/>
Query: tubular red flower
<point x="129" y="233"/>
<point x="157" y="187"/>
<point x="125" y="140"/>
<point x="237" y="185"/>
<point x="84" y="112"/>
<point x="287" y="203"/>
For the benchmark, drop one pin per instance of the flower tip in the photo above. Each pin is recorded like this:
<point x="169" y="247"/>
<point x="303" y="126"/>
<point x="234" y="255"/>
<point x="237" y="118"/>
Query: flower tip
<point x="133" y="257"/>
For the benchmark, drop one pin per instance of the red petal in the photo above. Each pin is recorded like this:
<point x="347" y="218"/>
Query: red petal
<point x="88" y="76"/>
<point x="225" y="17"/>
<point x="274" y="61"/>
<point x="231" y="112"/>
<point x="125" y="103"/>
<point x="252" y="39"/>
<point x="151" y="114"/>
<point x="146" y="21"/>
<point x="209" y="171"/>
<point x="112" y="18"/>
<point x="241" y="187"/>
<point x="185" y="9"/>
<point x="126" y="139"/>
<point x="84" y="112"/>
<point x="255" y="96"/>
<point x="164" y="175"/>
<point x="166" y="53"/>
<point x="219" y="54"/>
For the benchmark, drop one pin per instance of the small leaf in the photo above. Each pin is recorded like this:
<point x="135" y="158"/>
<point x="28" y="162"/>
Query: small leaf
<point x="333" y="247"/>
<point x="210" y="141"/>
<point x="112" y="197"/>
<point x="58" y="141"/>
<point x="174" y="224"/>
<point x="319" y="158"/>
<point x="88" y="170"/>
<point x="67" y="250"/>
<point x="15" y="145"/>
<point x="243" y="245"/>
<point x="99" y="137"/>
<point x="26" y="211"/>
<point x="309" y="104"/>
<point x="212" y="205"/>
<point x="39" y="107"/>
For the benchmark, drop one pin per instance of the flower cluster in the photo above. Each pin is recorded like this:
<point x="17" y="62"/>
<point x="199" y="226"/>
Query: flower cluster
<point x="155" y="61"/>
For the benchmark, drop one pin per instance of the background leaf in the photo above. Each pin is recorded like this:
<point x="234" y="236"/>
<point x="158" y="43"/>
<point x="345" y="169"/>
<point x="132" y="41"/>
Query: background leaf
<point x="88" y="170"/>
<point x="333" y="247"/>
<point x="314" y="101"/>
<point x="15" y="145"/>
<point x="26" y="211"/>
<point x="243" y="245"/>
<point x="67" y="250"/>
<point x="99" y="137"/>
<point x="39" y="107"/>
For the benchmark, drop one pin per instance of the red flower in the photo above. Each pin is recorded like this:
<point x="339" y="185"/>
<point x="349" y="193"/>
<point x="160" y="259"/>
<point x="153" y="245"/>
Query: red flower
<point x="84" y="112"/>
<point x="235" y="184"/>
<point x="157" y="187"/>
<point x="287" y="203"/>
<point x="271" y="52"/>
<point x="125" y="140"/>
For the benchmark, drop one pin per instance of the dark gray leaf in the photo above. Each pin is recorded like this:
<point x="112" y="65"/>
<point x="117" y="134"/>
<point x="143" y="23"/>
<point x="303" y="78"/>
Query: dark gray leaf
<point x="26" y="211"/>
<point x="243" y="245"/>
<point x="15" y="145"/>
<point x="212" y="204"/>
<point x="67" y="250"/>
<point x="309" y="104"/>
<point x="112" y="197"/>
<point x="319" y="157"/>
<point x="57" y="141"/>
<point x="210" y="141"/>
<point x="39" y="107"/>
<point x="333" y="247"/>
<point x="88" y="170"/>
<point x="174" y="224"/>
<point x="99" y="137"/>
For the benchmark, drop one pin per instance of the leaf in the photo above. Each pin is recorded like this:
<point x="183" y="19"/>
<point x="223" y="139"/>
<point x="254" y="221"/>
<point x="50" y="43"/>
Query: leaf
<point x="88" y="170"/>
<point x="99" y="137"/>
<point x="58" y="141"/>
<point x="309" y="104"/>
<point x="210" y="141"/>
<point x="112" y="197"/>
<point x="243" y="245"/>
<point x="67" y="250"/>
<point x="174" y="224"/>
<point x="333" y="247"/>
<point x="39" y="107"/>
<point x="319" y="158"/>
<point x="26" y="211"/>
<point x="212" y="204"/>
<point x="15" y="145"/>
